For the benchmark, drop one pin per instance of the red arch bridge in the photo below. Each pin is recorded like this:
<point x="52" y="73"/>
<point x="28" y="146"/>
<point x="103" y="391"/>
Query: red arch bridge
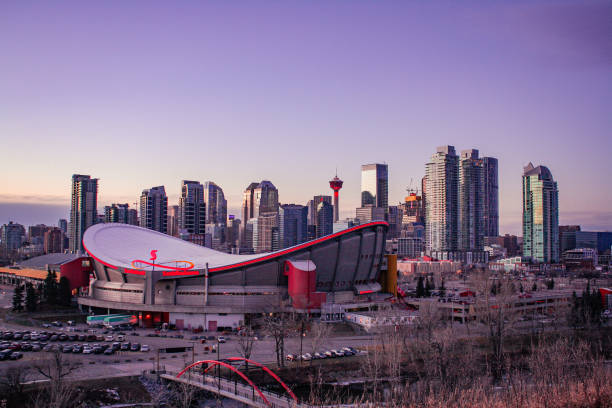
<point x="257" y="396"/>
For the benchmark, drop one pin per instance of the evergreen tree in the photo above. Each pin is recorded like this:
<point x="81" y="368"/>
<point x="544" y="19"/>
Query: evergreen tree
<point x="442" y="289"/>
<point x="420" y="289"/>
<point x="50" y="287"/>
<point x="64" y="294"/>
<point x="18" y="298"/>
<point x="521" y="288"/>
<point x="550" y="284"/>
<point x="428" y="288"/>
<point x="31" y="298"/>
<point x="534" y="288"/>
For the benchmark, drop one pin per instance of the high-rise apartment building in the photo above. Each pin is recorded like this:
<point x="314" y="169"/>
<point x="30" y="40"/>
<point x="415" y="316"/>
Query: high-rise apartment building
<point x="83" y="209"/>
<point x="248" y="212"/>
<point x="154" y="209"/>
<point x="63" y="225"/>
<point x="375" y="186"/>
<point x="53" y="241"/>
<point x="325" y="219"/>
<point x="12" y="235"/>
<point x="216" y="204"/>
<point x="471" y="202"/>
<point x="293" y="226"/>
<point x="540" y="215"/>
<point x="491" y="196"/>
<point x="173" y="217"/>
<point x="442" y="191"/>
<point x="119" y="213"/>
<point x="192" y="208"/>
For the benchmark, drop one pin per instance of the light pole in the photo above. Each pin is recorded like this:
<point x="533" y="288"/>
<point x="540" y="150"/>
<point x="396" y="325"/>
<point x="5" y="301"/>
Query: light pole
<point x="218" y="366"/>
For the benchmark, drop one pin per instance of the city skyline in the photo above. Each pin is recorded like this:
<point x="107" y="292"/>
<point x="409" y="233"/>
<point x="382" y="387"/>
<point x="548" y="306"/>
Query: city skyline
<point x="374" y="95"/>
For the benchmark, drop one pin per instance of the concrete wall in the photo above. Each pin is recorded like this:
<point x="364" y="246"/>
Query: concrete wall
<point x="193" y="320"/>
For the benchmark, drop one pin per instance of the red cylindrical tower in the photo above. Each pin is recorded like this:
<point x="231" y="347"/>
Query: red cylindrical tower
<point x="336" y="185"/>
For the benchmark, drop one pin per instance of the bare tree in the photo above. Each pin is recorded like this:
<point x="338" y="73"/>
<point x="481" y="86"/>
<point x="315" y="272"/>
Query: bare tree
<point x="182" y="395"/>
<point x="12" y="385"/>
<point x="278" y="325"/>
<point x="56" y="369"/>
<point x="245" y="343"/>
<point x="319" y="332"/>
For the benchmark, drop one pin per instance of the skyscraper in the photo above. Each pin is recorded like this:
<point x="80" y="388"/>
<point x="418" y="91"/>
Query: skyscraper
<point x="265" y="232"/>
<point x="192" y="208"/>
<point x="491" y="197"/>
<point x="540" y="215"/>
<point x="173" y="217"/>
<point x="325" y="219"/>
<point x="216" y="204"/>
<point x="265" y="199"/>
<point x="83" y="209"/>
<point x="12" y="235"/>
<point x="117" y="213"/>
<point x="63" y="225"/>
<point x="442" y="203"/>
<point x="154" y="209"/>
<point x="53" y="241"/>
<point x="292" y="224"/>
<point x="375" y="186"/>
<point x="471" y="202"/>
<point x="248" y="204"/>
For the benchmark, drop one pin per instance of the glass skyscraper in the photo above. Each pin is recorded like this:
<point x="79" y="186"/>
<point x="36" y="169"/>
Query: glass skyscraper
<point x="293" y="228"/>
<point x="491" y="197"/>
<point x="540" y="215"/>
<point x="375" y="186"/>
<point x="471" y="202"/>
<point x="83" y="209"/>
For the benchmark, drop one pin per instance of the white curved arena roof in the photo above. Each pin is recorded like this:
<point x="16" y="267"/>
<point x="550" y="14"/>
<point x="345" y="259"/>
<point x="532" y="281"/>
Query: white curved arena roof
<point x="120" y="244"/>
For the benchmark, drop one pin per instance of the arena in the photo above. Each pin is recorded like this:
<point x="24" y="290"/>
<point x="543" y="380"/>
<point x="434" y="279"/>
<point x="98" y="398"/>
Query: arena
<point x="163" y="279"/>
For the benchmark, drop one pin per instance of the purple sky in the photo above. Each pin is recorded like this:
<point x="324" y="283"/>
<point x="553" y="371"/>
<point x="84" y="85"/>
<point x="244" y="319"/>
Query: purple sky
<point x="150" y="93"/>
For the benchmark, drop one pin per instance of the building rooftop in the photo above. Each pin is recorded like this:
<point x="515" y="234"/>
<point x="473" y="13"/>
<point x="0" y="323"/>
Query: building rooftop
<point x="41" y="262"/>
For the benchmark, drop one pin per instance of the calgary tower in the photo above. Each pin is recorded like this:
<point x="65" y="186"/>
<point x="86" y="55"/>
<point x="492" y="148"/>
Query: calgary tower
<point x="336" y="185"/>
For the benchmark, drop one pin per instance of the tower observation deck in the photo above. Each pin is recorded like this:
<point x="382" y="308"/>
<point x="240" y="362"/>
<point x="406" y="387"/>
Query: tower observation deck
<point x="336" y="184"/>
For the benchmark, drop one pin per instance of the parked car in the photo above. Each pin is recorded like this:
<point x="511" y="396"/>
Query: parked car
<point x="87" y="350"/>
<point x="82" y="337"/>
<point x="329" y="354"/>
<point x="125" y="346"/>
<point x="6" y="354"/>
<point x="67" y="349"/>
<point x="145" y="348"/>
<point x="16" y="355"/>
<point x="77" y="348"/>
<point x="109" y="338"/>
<point x="116" y="346"/>
<point x="135" y="347"/>
<point x="291" y="357"/>
<point x="307" y="357"/>
<point x="221" y="339"/>
<point x="318" y="355"/>
<point x="121" y="337"/>
<point x="54" y="337"/>
<point x="109" y="351"/>
<point x="62" y="337"/>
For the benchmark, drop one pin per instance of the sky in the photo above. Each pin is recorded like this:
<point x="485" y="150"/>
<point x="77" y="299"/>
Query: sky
<point x="147" y="93"/>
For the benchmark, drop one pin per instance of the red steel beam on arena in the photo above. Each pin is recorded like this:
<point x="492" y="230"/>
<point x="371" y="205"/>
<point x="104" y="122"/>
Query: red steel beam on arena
<point x="215" y="362"/>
